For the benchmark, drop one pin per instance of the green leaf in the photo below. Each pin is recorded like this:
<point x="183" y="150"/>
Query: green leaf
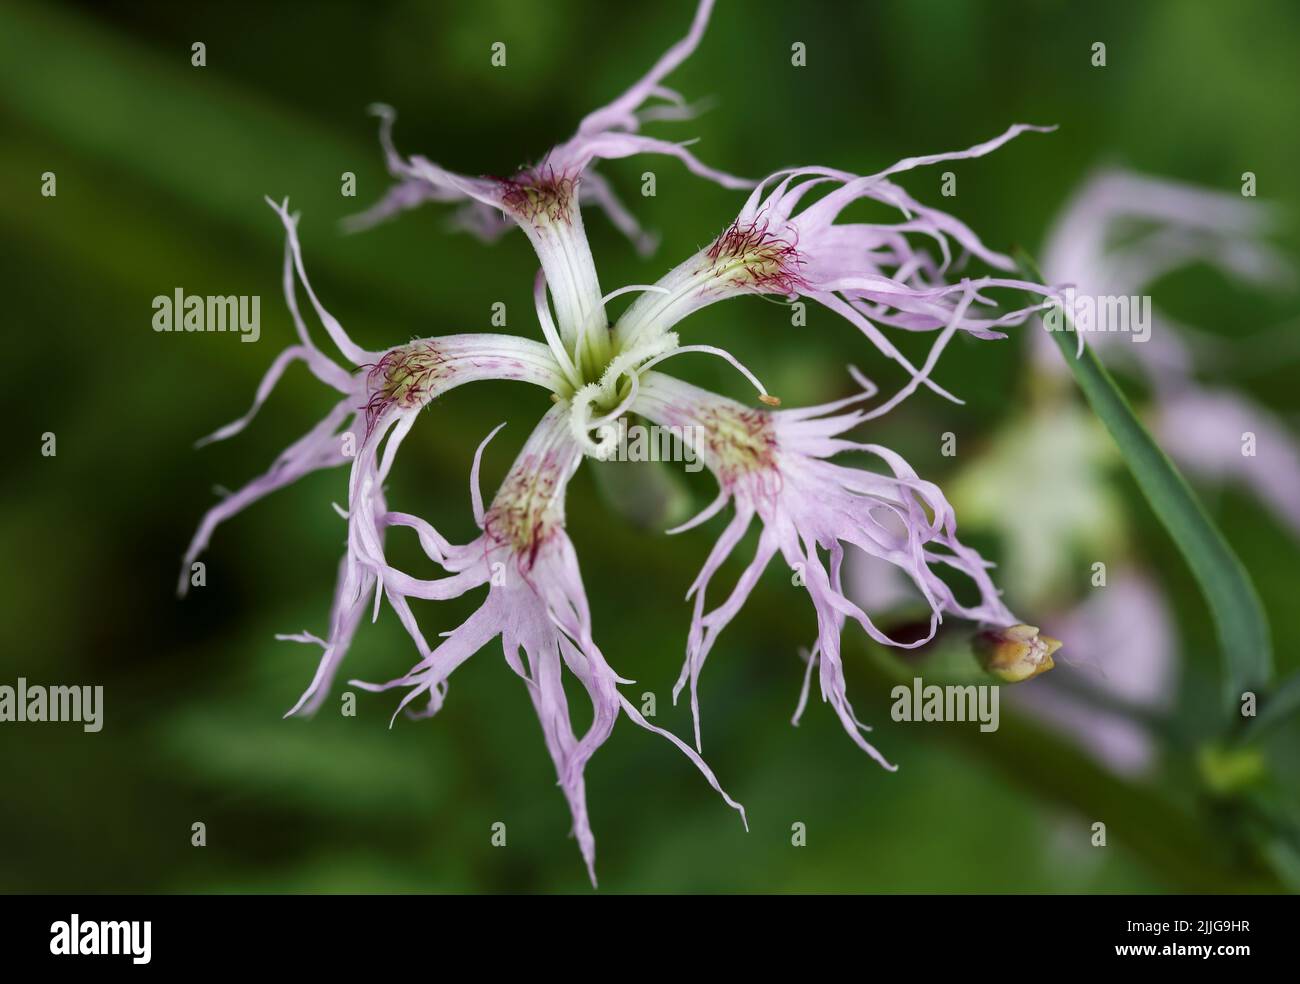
<point x="1277" y="707"/>
<point x="1243" y="632"/>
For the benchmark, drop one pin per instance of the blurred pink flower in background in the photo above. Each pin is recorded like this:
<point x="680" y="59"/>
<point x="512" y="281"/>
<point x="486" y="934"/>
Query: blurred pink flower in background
<point x="1117" y="236"/>
<point x="1122" y="647"/>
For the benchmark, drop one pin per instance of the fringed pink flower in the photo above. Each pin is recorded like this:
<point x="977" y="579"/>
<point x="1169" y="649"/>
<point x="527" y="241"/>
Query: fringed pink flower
<point x="773" y="465"/>
<point x="536" y="603"/>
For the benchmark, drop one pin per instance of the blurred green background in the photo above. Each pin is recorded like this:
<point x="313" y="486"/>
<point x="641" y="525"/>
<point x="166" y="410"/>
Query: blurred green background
<point x="161" y="168"/>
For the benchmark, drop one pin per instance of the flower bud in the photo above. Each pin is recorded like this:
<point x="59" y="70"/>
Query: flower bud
<point x="1015" y="653"/>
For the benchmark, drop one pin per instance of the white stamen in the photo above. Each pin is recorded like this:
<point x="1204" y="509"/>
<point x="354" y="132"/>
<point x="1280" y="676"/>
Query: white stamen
<point x="720" y="353"/>
<point x="549" y="330"/>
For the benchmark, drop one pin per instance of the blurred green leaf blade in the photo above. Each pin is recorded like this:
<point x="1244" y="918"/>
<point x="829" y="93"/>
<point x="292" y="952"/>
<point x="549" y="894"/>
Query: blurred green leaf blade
<point x="1244" y="638"/>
